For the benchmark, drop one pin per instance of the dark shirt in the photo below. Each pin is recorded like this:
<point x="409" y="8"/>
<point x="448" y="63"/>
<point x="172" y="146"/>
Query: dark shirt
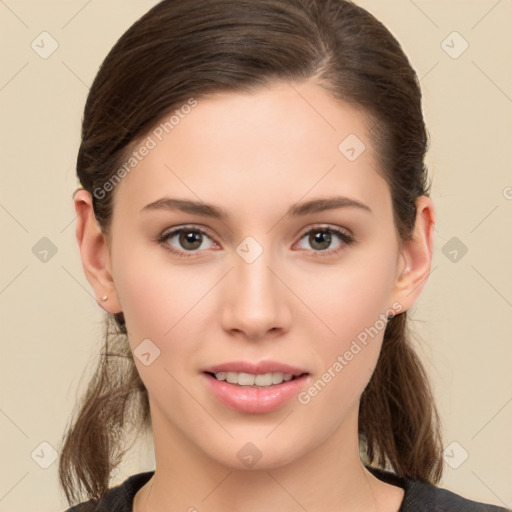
<point x="418" y="496"/>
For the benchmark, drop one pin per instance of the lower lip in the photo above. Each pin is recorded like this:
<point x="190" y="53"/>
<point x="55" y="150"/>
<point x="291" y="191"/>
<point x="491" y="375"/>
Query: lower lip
<point x="255" y="399"/>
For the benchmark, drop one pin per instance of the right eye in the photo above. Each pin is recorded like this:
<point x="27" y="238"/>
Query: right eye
<point x="190" y="239"/>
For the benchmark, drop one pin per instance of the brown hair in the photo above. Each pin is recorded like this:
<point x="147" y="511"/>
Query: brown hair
<point x="184" y="49"/>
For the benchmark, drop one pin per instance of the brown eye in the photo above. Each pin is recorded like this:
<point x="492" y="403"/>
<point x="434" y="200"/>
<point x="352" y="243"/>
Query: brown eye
<point x="184" y="240"/>
<point x="321" y="240"/>
<point x="190" y="240"/>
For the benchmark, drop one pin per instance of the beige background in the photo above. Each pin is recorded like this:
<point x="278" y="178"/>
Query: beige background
<point x="51" y="324"/>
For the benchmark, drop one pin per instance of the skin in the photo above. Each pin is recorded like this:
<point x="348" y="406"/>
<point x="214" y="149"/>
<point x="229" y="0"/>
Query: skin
<point x="255" y="155"/>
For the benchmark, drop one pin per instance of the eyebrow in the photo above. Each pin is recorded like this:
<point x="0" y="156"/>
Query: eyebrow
<point x="296" y="210"/>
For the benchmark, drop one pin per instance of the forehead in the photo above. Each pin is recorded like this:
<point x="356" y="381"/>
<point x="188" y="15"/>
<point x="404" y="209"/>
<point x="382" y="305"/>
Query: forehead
<point x="277" y="144"/>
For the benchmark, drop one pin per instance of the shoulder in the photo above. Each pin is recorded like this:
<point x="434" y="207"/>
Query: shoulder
<point x="419" y="495"/>
<point x="117" y="499"/>
<point x="440" y="500"/>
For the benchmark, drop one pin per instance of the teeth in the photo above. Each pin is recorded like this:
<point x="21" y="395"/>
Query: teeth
<point x="248" y="379"/>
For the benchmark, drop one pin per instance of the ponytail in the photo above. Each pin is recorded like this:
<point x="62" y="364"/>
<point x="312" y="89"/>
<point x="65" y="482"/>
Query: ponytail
<point x="399" y="426"/>
<point x="115" y="400"/>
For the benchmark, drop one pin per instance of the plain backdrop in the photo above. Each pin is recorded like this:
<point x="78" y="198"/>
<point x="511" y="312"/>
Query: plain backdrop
<point x="51" y="324"/>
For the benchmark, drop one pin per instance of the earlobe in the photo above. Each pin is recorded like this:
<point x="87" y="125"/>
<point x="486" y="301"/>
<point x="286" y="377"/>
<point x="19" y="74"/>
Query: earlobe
<point x="416" y="255"/>
<point x="94" y="253"/>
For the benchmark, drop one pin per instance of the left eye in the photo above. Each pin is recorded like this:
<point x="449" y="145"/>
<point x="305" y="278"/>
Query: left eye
<point x="322" y="238"/>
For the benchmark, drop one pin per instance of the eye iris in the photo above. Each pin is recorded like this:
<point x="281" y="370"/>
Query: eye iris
<point x="190" y="237"/>
<point x="322" y="237"/>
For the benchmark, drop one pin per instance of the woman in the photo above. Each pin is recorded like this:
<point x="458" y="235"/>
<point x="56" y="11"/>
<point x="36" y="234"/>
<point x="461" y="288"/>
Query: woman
<point x="255" y="219"/>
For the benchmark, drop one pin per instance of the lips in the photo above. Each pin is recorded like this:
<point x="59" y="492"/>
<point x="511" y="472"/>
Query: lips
<point x="244" y="396"/>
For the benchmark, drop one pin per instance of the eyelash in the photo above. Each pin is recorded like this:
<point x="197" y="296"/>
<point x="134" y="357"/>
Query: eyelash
<point x="345" y="238"/>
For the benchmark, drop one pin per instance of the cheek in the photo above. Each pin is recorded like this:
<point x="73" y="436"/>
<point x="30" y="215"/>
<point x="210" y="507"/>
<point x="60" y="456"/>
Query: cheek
<point x="157" y="299"/>
<point x="155" y="295"/>
<point x="353" y="305"/>
<point x="353" y="296"/>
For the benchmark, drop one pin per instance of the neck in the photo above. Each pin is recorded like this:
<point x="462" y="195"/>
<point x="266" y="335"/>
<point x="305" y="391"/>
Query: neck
<point x="329" y="477"/>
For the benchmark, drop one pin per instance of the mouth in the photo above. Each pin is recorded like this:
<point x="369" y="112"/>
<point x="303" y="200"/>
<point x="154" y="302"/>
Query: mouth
<point x="255" y="387"/>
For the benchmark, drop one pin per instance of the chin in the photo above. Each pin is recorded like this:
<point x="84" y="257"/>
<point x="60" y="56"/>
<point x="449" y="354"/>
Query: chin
<point x="253" y="453"/>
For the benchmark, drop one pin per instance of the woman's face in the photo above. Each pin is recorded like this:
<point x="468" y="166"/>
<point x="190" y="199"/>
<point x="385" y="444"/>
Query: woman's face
<point x="265" y="283"/>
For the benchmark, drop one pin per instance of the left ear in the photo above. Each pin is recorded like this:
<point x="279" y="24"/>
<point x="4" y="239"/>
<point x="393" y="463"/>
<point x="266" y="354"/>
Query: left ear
<point x="415" y="257"/>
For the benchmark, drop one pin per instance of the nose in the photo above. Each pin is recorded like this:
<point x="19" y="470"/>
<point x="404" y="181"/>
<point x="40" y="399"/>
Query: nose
<point x="256" y="303"/>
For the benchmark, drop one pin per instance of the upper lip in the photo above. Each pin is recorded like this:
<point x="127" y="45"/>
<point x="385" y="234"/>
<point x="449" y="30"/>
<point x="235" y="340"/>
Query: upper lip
<point x="259" y="368"/>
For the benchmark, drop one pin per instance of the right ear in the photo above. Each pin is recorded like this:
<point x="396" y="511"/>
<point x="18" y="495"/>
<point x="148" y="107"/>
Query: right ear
<point x="95" y="253"/>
